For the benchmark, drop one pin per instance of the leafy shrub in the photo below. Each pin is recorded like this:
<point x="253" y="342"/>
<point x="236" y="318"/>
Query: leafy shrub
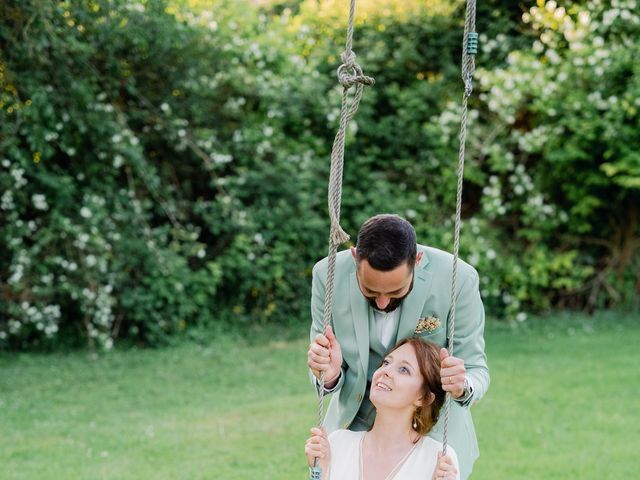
<point x="164" y="164"/>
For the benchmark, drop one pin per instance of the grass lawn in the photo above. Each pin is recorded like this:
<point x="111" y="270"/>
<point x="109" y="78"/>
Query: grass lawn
<point x="564" y="403"/>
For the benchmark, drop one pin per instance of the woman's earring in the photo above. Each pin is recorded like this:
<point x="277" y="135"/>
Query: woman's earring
<point x="415" y="424"/>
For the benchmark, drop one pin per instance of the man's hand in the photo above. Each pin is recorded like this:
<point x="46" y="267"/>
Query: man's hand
<point x="324" y="355"/>
<point x="452" y="373"/>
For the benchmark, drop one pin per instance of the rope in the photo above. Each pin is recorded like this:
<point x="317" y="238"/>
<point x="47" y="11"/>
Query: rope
<point x="468" y="69"/>
<point x="349" y="75"/>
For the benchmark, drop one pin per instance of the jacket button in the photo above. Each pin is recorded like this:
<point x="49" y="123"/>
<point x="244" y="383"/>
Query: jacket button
<point x="359" y="397"/>
<point x="345" y="425"/>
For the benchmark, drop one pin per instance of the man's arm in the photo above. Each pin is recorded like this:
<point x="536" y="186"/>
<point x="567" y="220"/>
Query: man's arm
<point x="468" y="343"/>
<point x="318" y="292"/>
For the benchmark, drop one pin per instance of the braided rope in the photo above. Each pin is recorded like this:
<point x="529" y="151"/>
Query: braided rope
<point x="349" y="75"/>
<point x="468" y="69"/>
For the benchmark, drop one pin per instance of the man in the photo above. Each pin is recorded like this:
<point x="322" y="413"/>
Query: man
<point x="388" y="288"/>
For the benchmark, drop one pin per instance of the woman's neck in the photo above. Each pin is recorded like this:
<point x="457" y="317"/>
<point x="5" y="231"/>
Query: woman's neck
<point x="392" y="429"/>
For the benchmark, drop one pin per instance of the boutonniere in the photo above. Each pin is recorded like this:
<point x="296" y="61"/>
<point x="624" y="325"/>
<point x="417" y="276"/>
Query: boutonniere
<point x="427" y="324"/>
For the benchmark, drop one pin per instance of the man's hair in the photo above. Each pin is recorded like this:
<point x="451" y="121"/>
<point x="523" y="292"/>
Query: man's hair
<point x="428" y="356"/>
<point x="386" y="242"/>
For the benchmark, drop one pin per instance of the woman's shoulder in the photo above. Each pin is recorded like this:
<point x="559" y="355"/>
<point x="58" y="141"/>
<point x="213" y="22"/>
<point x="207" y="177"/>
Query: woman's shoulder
<point x="344" y="436"/>
<point x="430" y="444"/>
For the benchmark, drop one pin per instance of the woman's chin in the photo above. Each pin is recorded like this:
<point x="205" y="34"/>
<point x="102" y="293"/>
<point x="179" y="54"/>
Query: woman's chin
<point x="378" y="397"/>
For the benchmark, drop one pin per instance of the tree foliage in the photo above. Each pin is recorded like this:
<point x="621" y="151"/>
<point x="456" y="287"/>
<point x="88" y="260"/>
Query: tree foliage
<point x="164" y="164"/>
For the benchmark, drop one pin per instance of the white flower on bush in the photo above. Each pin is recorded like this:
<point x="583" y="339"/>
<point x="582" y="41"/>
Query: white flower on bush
<point x="17" y="275"/>
<point x="536" y="200"/>
<point x="72" y="266"/>
<point x="39" y="201"/>
<point x="18" y="177"/>
<point x="263" y="147"/>
<point x="51" y="329"/>
<point x="14" y="326"/>
<point x="6" y="202"/>
<point x="221" y="158"/>
<point x="91" y="260"/>
<point x="85" y="212"/>
<point x="118" y="161"/>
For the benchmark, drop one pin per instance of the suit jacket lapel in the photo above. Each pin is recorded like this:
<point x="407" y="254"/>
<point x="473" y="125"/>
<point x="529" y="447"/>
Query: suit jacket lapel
<point x="413" y="305"/>
<point x="360" y="315"/>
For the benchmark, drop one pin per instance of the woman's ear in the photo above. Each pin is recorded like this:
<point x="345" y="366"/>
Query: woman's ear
<point x="420" y="400"/>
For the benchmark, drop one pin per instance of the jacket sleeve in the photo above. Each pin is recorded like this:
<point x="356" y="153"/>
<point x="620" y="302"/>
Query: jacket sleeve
<point x="318" y="291"/>
<point x="468" y="335"/>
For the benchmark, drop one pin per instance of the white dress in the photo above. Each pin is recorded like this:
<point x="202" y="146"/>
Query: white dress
<point x="418" y="465"/>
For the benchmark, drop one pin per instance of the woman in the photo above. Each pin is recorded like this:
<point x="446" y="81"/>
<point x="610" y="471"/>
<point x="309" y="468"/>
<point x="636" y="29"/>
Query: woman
<point x="408" y="395"/>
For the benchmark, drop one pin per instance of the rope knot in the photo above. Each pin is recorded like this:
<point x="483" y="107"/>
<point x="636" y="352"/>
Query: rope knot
<point x="338" y="235"/>
<point x="350" y="73"/>
<point x="348" y="58"/>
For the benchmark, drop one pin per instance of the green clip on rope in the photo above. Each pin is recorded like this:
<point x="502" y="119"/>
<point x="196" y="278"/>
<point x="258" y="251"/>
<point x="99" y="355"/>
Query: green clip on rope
<point x="472" y="43"/>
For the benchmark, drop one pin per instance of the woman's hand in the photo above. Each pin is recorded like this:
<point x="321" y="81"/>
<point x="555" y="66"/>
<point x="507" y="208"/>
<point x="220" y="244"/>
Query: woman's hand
<point x="317" y="446"/>
<point x="445" y="469"/>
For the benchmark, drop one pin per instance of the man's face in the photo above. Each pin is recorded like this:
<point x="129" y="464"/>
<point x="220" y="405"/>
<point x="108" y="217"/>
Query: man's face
<point x="384" y="290"/>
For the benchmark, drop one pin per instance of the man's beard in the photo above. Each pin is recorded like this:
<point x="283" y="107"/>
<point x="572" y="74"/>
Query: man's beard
<point x="394" y="303"/>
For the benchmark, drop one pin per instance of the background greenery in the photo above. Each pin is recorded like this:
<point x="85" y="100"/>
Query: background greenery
<point x="163" y="164"/>
<point x="563" y="404"/>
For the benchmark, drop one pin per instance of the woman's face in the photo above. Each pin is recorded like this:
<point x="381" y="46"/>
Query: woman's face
<point x="398" y="382"/>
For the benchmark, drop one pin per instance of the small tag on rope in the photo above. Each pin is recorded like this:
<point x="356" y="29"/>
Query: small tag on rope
<point x="472" y="43"/>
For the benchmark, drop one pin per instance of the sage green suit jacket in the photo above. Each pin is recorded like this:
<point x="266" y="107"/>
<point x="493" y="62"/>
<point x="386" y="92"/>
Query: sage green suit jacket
<point x="430" y="296"/>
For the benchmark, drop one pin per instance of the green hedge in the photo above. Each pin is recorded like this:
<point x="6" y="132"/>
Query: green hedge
<point x="164" y="164"/>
